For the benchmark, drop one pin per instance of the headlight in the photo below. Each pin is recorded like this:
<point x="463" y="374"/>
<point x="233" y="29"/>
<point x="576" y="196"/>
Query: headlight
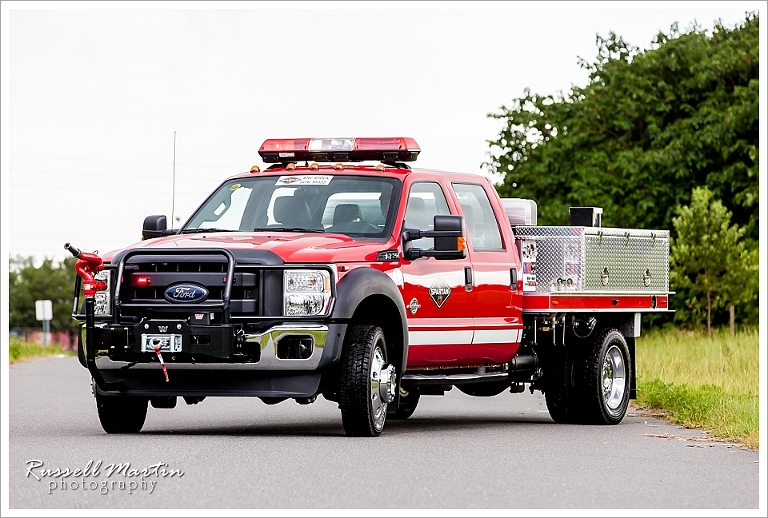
<point x="306" y="292"/>
<point x="102" y="302"/>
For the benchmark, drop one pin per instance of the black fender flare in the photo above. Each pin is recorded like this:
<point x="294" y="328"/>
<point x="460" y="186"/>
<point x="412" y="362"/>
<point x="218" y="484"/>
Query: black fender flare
<point x="362" y="283"/>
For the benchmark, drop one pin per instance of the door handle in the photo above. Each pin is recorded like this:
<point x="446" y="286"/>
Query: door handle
<point x="468" y="278"/>
<point x="513" y="278"/>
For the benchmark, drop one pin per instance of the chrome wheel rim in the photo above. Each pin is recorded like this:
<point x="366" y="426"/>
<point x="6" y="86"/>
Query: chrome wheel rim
<point x="614" y="381"/>
<point x="382" y="387"/>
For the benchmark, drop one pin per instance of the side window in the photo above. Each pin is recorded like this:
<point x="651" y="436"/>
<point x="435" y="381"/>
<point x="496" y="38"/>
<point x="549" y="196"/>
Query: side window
<point x="483" y="230"/>
<point x="425" y="200"/>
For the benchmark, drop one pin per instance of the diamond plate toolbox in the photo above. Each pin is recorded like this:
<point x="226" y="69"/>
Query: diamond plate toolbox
<point x="593" y="259"/>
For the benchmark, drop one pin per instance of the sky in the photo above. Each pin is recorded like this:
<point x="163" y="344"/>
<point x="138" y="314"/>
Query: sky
<point x="94" y="92"/>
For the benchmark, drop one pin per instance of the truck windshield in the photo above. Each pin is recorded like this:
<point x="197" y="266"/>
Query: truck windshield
<point x="358" y="206"/>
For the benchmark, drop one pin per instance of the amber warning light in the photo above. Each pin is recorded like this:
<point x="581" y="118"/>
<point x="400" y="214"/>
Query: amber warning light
<point x="401" y="149"/>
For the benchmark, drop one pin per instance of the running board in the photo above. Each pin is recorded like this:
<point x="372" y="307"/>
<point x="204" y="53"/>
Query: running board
<point x="453" y="379"/>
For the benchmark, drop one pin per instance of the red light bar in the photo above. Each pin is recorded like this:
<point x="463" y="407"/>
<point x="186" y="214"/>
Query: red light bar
<point x="340" y="149"/>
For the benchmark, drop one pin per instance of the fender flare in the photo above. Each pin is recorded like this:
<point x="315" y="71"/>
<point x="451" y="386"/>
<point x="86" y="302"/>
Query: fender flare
<point x="361" y="283"/>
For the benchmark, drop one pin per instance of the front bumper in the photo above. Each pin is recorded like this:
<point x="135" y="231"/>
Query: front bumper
<point x="284" y="360"/>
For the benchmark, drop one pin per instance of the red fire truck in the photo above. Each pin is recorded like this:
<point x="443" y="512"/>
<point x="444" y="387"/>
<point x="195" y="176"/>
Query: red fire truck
<point x="340" y="271"/>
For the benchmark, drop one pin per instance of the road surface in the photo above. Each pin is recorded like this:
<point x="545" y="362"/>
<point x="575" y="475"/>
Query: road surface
<point x="456" y="452"/>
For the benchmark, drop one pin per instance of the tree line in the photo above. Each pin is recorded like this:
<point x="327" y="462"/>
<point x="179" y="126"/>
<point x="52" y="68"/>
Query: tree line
<point x="54" y="281"/>
<point x="661" y="138"/>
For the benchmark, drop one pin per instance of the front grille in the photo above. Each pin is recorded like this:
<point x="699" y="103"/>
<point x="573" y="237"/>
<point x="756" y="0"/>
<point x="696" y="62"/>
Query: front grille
<point x="210" y="273"/>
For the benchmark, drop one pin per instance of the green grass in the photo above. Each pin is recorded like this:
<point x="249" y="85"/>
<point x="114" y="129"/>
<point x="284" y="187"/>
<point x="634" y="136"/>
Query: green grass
<point x="701" y="383"/>
<point x="20" y="351"/>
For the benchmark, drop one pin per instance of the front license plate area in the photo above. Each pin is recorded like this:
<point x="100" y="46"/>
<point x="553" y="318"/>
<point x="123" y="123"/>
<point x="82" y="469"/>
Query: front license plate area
<point x="167" y="343"/>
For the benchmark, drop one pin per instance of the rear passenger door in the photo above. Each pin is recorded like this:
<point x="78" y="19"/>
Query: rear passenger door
<point x="496" y="303"/>
<point x="437" y="302"/>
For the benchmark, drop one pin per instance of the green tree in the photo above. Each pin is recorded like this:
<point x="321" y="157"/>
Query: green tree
<point x="647" y="128"/>
<point x="709" y="259"/>
<point x="50" y="281"/>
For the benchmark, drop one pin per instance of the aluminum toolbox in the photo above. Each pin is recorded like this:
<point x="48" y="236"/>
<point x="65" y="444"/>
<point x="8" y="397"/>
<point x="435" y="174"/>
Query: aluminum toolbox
<point x="593" y="259"/>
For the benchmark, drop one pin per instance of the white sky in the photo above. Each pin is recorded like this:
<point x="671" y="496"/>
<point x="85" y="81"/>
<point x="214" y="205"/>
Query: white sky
<point x="97" y="90"/>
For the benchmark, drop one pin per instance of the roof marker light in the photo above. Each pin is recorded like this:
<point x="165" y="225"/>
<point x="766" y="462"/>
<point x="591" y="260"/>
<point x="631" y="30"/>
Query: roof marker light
<point x="255" y="169"/>
<point x="340" y="149"/>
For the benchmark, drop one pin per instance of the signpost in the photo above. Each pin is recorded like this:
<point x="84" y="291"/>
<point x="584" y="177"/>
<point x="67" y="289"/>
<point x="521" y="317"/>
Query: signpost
<point x="44" y="312"/>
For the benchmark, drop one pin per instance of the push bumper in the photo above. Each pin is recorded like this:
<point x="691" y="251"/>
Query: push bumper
<point x="284" y="360"/>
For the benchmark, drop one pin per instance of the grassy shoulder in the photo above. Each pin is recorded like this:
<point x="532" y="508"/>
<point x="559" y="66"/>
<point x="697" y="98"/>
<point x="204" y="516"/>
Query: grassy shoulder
<point x="700" y="383"/>
<point x="20" y="351"/>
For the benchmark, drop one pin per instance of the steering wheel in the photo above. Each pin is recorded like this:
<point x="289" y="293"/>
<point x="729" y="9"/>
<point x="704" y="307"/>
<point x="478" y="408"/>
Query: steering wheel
<point x="362" y="227"/>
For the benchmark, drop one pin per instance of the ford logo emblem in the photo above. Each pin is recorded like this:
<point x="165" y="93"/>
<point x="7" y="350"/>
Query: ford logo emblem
<point x="186" y="293"/>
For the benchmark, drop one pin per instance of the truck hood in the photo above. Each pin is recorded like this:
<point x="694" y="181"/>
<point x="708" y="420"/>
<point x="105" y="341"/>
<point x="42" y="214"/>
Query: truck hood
<point x="291" y="247"/>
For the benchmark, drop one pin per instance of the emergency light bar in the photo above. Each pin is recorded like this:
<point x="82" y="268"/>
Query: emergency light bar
<point x="339" y="149"/>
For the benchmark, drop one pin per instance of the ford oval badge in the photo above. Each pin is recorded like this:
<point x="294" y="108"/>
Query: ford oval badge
<point x="190" y="293"/>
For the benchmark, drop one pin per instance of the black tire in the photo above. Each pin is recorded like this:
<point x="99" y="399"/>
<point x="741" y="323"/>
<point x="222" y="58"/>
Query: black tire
<point x="409" y="400"/>
<point x="560" y="387"/>
<point x="363" y="360"/>
<point x="81" y="349"/>
<point x="604" y="379"/>
<point x="121" y="414"/>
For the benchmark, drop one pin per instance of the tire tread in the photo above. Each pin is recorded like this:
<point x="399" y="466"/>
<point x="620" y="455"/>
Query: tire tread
<point x="353" y="382"/>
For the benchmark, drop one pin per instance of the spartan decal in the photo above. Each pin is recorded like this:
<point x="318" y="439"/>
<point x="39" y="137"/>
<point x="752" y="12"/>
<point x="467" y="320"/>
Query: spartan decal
<point x="439" y="292"/>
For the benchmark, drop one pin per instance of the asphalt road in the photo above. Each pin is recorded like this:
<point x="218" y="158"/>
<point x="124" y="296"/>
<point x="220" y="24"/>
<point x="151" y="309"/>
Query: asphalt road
<point x="456" y="452"/>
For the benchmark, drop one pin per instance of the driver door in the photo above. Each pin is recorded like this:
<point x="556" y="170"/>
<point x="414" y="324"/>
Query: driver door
<point x="440" y="326"/>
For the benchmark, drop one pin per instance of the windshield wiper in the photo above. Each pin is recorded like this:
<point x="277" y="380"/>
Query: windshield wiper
<point x="286" y="229"/>
<point x="201" y="230"/>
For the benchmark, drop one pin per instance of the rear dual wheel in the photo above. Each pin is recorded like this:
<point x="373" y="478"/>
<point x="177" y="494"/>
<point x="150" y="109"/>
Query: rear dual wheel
<point x="590" y="384"/>
<point x="409" y="400"/>
<point x="605" y="378"/>
<point x="560" y="387"/>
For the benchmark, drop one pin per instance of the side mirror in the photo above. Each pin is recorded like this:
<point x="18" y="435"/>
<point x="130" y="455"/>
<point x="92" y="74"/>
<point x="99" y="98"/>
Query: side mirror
<point x="154" y="226"/>
<point x="449" y="239"/>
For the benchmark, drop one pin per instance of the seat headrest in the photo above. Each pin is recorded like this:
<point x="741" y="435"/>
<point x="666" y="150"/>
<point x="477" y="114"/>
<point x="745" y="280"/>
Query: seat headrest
<point x="417" y="204"/>
<point x="292" y="212"/>
<point x="416" y="215"/>
<point x="345" y="212"/>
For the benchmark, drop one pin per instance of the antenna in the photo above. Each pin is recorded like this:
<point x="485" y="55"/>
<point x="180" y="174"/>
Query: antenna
<point x="173" y="192"/>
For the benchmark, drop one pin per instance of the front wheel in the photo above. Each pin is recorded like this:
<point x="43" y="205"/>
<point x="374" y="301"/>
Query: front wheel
<point x="121" y="414"/>
<point x="605" y="370"/>
<point x="366" y="383"/>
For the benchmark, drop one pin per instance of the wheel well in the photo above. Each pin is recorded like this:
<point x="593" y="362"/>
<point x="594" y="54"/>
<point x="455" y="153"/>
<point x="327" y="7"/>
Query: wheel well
<point x="625" y="323"/>
<point x="381" y="311"/>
